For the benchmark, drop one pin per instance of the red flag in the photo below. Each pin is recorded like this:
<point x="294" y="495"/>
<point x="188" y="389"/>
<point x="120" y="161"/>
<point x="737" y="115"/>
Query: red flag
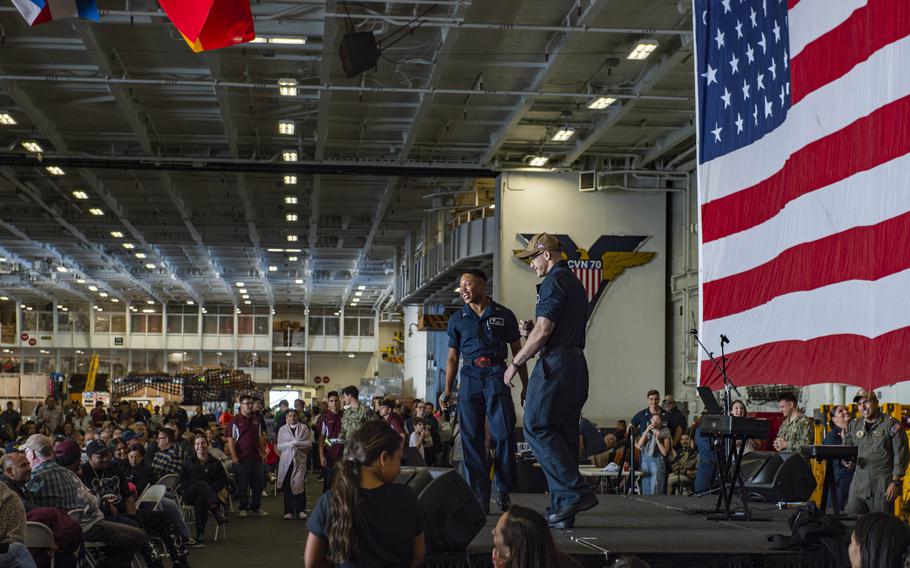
<point x="211" y="24"/>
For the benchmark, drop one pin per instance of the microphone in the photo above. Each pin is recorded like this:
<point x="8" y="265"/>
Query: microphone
<point x="693" y="331"/>
<point x="724" y="339"/>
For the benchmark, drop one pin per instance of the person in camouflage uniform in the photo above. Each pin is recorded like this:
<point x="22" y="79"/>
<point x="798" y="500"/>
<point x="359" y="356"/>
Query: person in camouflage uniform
<point x="881" y="460"/>
<point x="355" y="414"/>
<point x="797" y="430"/>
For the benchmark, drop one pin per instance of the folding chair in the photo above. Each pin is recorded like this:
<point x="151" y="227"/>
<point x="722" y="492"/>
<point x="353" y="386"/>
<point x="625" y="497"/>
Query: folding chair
<point x="92" y="553"/>
<point x="39" y="535"/>
<point x="150" y="499"/>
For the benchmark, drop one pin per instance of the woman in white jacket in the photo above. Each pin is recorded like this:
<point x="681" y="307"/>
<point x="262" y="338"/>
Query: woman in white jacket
<point x="294" y="443"/>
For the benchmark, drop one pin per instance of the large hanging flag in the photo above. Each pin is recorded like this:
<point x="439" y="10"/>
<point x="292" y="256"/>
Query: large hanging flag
<point x="41" y="11"/>
<point x="211" y="24"/>
<point x="803" y="139"/>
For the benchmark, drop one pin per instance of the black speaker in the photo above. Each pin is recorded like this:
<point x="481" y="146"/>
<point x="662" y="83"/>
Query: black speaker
<point x="358" y="52"/>
<point x="452" y="514"/>
<point x="777" y="476"/>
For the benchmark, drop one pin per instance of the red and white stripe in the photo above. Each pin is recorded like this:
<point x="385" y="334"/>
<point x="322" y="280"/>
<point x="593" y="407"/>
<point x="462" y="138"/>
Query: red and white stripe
<point x="805" y="249"/>
<point x="591" y="279"/>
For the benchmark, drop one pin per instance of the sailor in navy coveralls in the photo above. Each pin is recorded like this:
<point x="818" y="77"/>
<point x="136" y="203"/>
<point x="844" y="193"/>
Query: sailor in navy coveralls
<point x="480" y="333"/>
<point x="559" y="383"/>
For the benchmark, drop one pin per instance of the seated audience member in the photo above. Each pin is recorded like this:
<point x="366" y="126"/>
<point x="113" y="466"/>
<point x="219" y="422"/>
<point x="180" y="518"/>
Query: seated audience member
<point x="879" y="540"/>
<point x="203" y="477"/>
<point x="654" y="443"/>
<point x="366" y="519"/>
<point x="199" y="420"/>
<point x="392" y="418"/>
<point x="13" y="552"/>
<point x="843" y="476"/>
<point x="98" y="414"/>
<point x="609" y="455"/>
<point x="82" y="421"/>
<point x="294" y="442"/>
<point x="119" y="451"/>
<point x="589" y="438"/>
<point x="683" y="468"/>
<point x="141" y="475"/>
<point x="16" y="473"/>
<point x="170" y="455"/>
<point x="522" y="539"/>
<point x="54" y="486"/>
<point x="418" y="436"/>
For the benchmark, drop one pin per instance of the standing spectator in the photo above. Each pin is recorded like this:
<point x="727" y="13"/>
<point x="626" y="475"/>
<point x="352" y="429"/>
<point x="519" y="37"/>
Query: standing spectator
<point x="246" y="446"/>
<point x="366" y="519"/>
<point x="392" y="418"/>
<point x="294" y="442"/>
<point x="522" y="539"/>
<point x="418" y="437"/>
<point x="51" y="415"/>
<point x="331" y="445"/>
<point x="654" y="443"/>
<point x="675" y="417"/>
<point x="281" y="416"/>
<point x="797" y="429"/>
<point x="81" y="419"/>
<point x="642" y="419"/>
<point x="199" y="420"/>
<point x="355" y="414"/>
<point x="10" y="416"/>
<point x="840" y="420"/>
<point x="203" y="477"/>
<point x="157" y="419"/>
<point x="98" y="414"/>
<point x="225" y="418"/>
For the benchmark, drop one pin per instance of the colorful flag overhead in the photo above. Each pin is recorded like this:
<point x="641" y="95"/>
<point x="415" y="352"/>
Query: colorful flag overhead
<point x="804" y="155"/>
<point x="211" y="24"/>
<point x="41" y="11"/>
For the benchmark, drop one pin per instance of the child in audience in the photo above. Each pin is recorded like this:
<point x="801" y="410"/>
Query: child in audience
<point x="365" y="520"/>
<point x="522" y="539"/>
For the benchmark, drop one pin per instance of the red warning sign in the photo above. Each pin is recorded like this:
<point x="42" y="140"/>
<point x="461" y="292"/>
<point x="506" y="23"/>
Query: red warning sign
<point x="24" y="337"/>
<point x="318" y="380"/>
<point x="33" y="342"/>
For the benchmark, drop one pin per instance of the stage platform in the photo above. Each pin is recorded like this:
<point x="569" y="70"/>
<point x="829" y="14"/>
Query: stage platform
<point x="661" y="530"/>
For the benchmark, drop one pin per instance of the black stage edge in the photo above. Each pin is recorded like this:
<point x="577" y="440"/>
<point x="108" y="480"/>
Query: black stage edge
<point x="661" y="530"/>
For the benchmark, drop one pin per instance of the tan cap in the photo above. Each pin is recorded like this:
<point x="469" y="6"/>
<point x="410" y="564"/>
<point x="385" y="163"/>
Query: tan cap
<point x="36" y="442"/>
<point x="539" y="243"/>
<point x="863" y="393"/>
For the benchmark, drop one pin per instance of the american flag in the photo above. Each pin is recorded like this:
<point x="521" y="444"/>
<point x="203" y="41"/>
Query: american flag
<point x="804" y="189"/>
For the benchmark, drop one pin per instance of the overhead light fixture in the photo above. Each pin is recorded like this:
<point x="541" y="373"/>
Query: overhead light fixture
<point x="79" y="194"/>
<point x="292" y="259"/>
<point x="4" y="298"/>
<point x="239" y="284"/>
<point x="286" y="127"/>
<point x="150" y="302"/>
<point x="190" y="302"/>
<point x="351" y="355"/>
<point x="62" y="269"/>
<point x="6" y="119"/>
<point x="150" y="265"/>
<point x="273" y="269"/>
<point x="140" y="255"/>
<point x="298" y="281"/>
<point x="55" y="171"/>
<point x="601" y="103"/>
<point x="245" y="296"/>
<point x="563" y="134"/>
<point x="290" y="217"/>
<point x="491" y="206"/>
<point x="361" y="287"/>
<point x="247" y="302"/>
<point x="274" y="250"/>
<point x="289" y="155"/>
<point x="80" y="280"/>
<point x="129" y="246"/>
<point x="538" y="161"/>
<point x="103" y="294"/>
<point x="290" y="200"/>
<point x="115" y="300"/>
<point x="643" y="49"/>
<point x="148" y="311"/>
<point x="358" y="293"/>
<point x="291" y="250"/>
<point x="286" y="40"/>
<point x="292" y="238"/>
<point x="287" y="87"/>
<point x="99" y="308"/>
<point x="117" y="234"/>
<point x="32" y="146"/>
<point x="290" y="180"/>
<point x="28" y="309"/>
<point x="93" y="288"/>
<point x="95" y="211"/>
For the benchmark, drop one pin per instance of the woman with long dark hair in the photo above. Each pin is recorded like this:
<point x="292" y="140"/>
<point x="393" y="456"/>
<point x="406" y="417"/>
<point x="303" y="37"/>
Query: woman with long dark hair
<point x="522" y="539"/>
<point x="365" y="520"/>
<point x="879" y="540"/>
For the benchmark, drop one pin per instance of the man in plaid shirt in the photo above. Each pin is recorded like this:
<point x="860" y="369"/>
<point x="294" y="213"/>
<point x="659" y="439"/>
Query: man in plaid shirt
<point x="169" y="457"/>
<point x="52" y="485"/>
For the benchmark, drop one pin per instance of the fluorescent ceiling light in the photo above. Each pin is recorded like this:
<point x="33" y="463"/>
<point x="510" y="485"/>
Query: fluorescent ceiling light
<point x="538" y="161"/>
<point x="273" y="269"/>
<point x="290" y="200"/>
<point x="491" y="206"/>
<point x="55" y="171"/>
<point x="150" y="302"/>
<point x="4" y="298"/>
<point x="361" y="287"/>
<point x="117" y="234"/>
<point x="287" y="87"/>
<point x="95" y="211"/>
<point x="80" y="281"/>
<point x="290" y="217"/>
<point x="274" y="250"/>
<point x="103" y="294"/>
<point x="298" y="281"/>
<point x="115" y="300"/>
<point x="93" y="288"/>
<point x="292" y="238"/>
<point x="240" y="284"/>
<point x="79" y="194"/>
<point x="62" y="269"/>
<point x="129" y="246"/>
<point x="601" y="103"/>
<point x="291" y="250"/>
<point x="242" y="290"/>
<point x="32" y="146"/>
<point x="290" y="180"/>
<point x="292" y="259"/>
<point x="289" y="155"/>
<point x="248" y="302"/>
<point x="643" y="49"/>
<point x="6" y="119"/>
<point x="286" y="127"/>
<point x="148" y="311"/>
<point x="245" y="296"/>
<point x="358" y="293"/>
<point x="140" y="255"/>
<point x="563" y="134"/>
<point x="287" y="40"/>
<point x="190" y="302"/>
<point x="150" y="265"/>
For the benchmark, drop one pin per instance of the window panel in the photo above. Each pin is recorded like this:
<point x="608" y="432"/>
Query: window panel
<point x="102" y="322"/>
<point x="226" y="325"/>
<point x="262" y="326"/>
<point x="118" y="323"/>
<point x="245" y="325"/>
<point x="174" y="323"/>
<point x="209" y="325"/>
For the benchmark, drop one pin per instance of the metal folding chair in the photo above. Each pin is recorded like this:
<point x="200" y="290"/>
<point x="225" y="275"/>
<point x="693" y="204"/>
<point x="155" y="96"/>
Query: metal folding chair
<point x="151" y="498"/>
<point x="39" y="535"/>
